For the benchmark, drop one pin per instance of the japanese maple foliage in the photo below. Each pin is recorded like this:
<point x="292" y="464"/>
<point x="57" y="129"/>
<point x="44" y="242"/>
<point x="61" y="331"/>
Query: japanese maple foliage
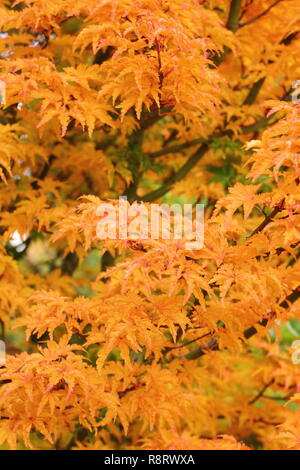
<point x="113" y="344"/>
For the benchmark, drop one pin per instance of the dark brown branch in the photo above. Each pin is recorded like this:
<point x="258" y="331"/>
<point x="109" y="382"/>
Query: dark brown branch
<point x="291" y="298"/>
<point x="131" y="389"/>
<point x="261" y="392"/>
<point x="248" y="333"/>
<point x="102" y="56"/>
<point x="268" y="219"/>
<point x="201" y="350"/>
<point x="186" y="145"/>
<point x="289" y="39"/>
<point x="252" y="330"/>
<point x="167" y="349"/>
<point x="260" y="15"/>
<point x="245" y="8"/>
<point x="47" y="167"/>
<point x="176" y="148"/>
<point x="152" y="117"/>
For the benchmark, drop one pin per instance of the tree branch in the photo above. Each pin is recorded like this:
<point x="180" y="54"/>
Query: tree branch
<point x="201" y="350"/>
<point x="268" y="219"/>
<point x="245" y="8"/>
<point x="263" y="13"/>
<point x="176" y="148"/>
<point x="262" y="391"/>
<point x="183" y="345"/>
<point x="193" y="160"/>
<point x="234" y="15"/>
<point x="248" y="333"/>
<point x="181" y="173"/>
<point x="253" y="93"/>
<point x="232" y="24"/>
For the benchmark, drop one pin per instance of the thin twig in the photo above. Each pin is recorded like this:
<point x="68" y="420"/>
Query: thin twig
<point x="176" y="148"/>
<point x="268" y="219"/>
<point x="261" y="392"/>
<point x="186" y="145"/>
<point x="188" y="343"/>
<point x="245" y="9"/>
<point x="263" y="13"/>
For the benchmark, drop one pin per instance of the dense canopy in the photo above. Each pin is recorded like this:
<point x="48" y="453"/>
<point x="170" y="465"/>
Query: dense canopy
<point x="122" y="344"/>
